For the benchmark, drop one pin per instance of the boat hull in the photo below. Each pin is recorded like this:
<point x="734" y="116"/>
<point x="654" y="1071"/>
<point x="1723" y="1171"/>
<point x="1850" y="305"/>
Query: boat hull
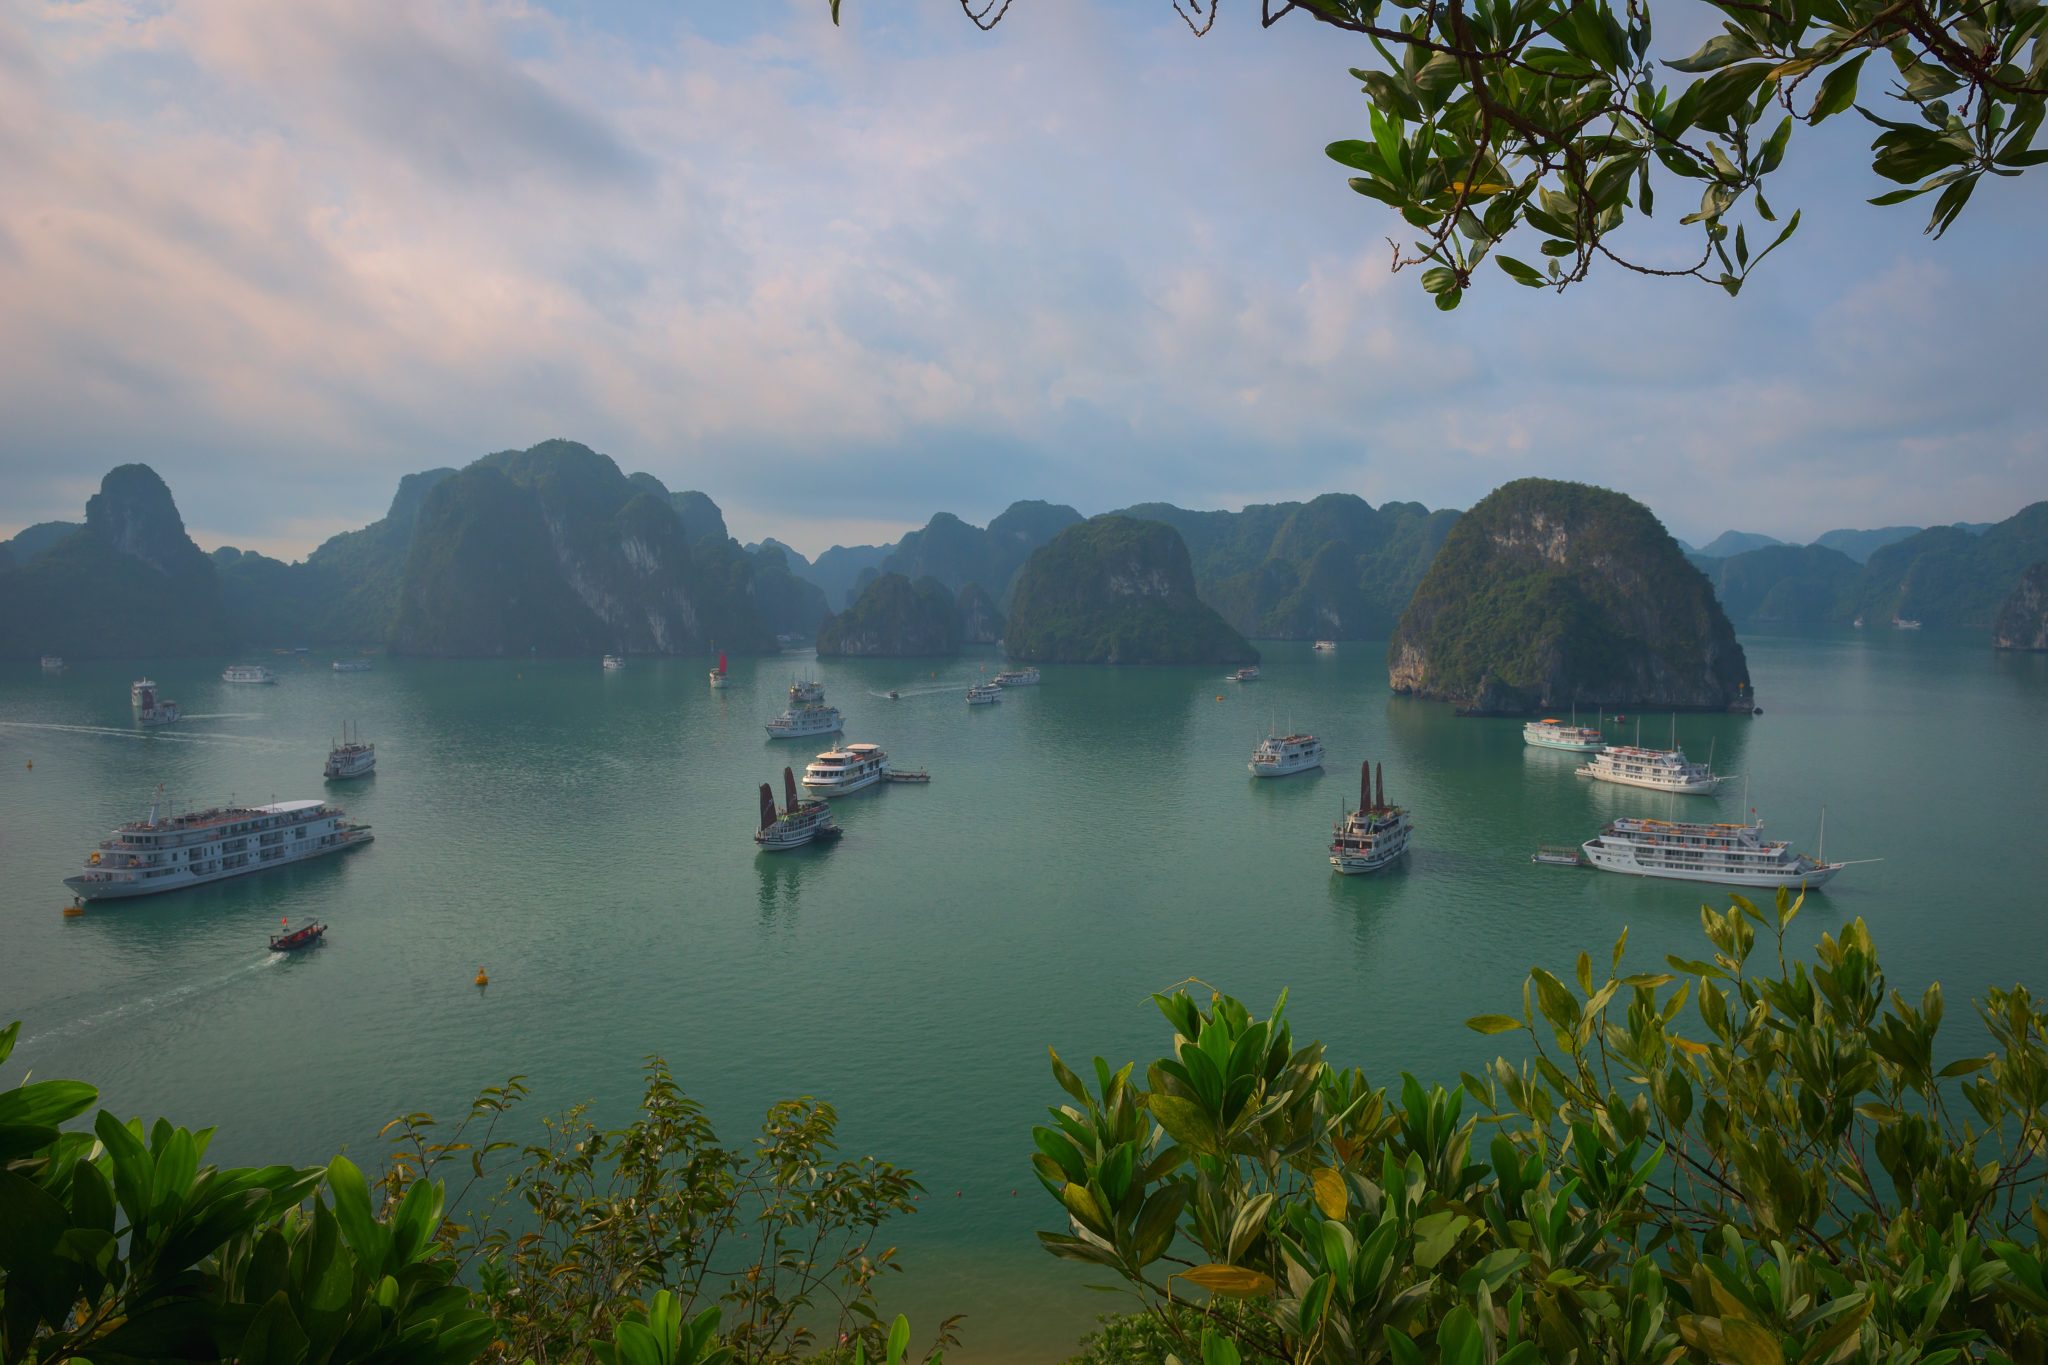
<point x="1699" y="788"/>
<point x="1574" y="746"/>
<point x="1356" y="867"/>
<point x="92" y="888"/>
<point x="853" y="784"/>
<point x="1288" y="769"/>
<point x="1612" y="860"/>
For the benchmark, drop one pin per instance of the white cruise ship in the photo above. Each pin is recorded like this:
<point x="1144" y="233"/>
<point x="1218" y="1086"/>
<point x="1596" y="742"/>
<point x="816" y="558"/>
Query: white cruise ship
<point x="1249" y="673"/>
<point x="1017" y="677"/>
<point x="53" y="663"/>
<point x="1325" y="647"/>
<point x="804" y="691"/>
<point x="984" y="693"/>
<point x="1550" y="733"/>
<point x="351" y="665"/>
<point x="1282" y="755"/>
<point x="1372" y="836"/>
<point x="172" y="852"/>
<point x="247" y="673"/>
<point x="150" y="709"/>
<point x="351" y="757"/>
<point x="799" y="822"/>
<point x="838" y="771"/>
<point x="1733" y="855"/>
<point x="1664" y="770"/>
<point x="800" y="721"/>
<point x="614" y="662"/>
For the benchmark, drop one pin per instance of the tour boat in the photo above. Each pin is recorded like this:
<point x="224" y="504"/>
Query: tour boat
<point x="1281" y="755"/>
<point x="804" y="691"/>
<point x="352" y="757"/>
<point x="1732" y="855"/>
<point x="1325" y="646"/>
<point x="848" y="769"/>
<point x="311" y="936"/>
<point x="1249" y="673"/>
<point x="1556" y="855"/>
<point x="169" y="853"/>
<point x="247" y="673"/>
<point x="53" y="663"/>
<point x="984" y="693"/>
<point x="719" y="677"/>
<point x="797" y="824"/>
<point x="1017" y="677"/>
<point x="150" y="709"/>
<point x="1550" y="733"/>
<point x="1375" y="834"/>
<point x="1664" y="770"/>
<point x="614" y="662"/>
<point x="800" y="721"/>
<point x="351" y="665"/>
<point x="1904" y="623"/>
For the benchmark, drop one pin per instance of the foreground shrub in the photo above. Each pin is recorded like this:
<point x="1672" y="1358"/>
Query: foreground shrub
<point x="1802" y="1181"/>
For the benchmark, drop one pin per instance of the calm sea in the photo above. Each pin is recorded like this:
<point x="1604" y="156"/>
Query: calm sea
<point x="584" y="837"/>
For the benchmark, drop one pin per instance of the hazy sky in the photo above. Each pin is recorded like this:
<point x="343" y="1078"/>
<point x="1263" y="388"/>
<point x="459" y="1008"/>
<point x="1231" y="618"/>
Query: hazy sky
<point x="842" y="279"/>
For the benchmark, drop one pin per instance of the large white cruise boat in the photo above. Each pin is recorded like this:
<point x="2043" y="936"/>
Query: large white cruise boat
<point x="984" y="693"/>
<point x="1550" y="733"/>
<point x="1734" y="855"/>
<point x="1372" y="836"/>
<point x="1018" y="677"/>
<point x="804" y="691"/>
<point x="1664" y="770"/>
<point x="799" y="822"/>
<point x="838" y="771"/>
<point x="351" y="757"/>
<point x="150" y="709"/>
<point x="351" y="665"/>
<point x="169" y="853"/>
<point x="247" y="673"/>
<point x="1282" y="755"/>
<point x="800" y="721"/>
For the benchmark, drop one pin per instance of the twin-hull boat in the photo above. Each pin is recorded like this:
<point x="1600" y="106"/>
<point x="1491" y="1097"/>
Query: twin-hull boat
<point x="1375" y="834"/>
<point x="169" y="853"/>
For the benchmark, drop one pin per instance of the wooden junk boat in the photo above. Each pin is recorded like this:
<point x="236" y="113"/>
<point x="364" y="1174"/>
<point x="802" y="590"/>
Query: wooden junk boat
<point x="803" y="820"/>
<point x="311" y="936"/>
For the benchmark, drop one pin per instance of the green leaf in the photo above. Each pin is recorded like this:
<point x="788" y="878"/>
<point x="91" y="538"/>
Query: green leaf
<point x="1439" y="279"/>
<point x="1493" y="1023"/>
<point x="1068" y="1081"/>
<point x="274" y="1336"/>
<point x="1521" y="274"/>
<point x="1723" y="49"/>
<point x="1186" y="1122"/>
<point x="46" y="1103"/>
<point x="899" y="1339"/>
<point x="366" y="1238"/>
<point x="1838" y="91"/>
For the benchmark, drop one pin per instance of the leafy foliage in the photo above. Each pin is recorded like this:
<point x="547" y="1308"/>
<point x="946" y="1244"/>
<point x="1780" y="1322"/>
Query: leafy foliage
<point x="2023" y="617"/>
<point x="1807" y="1180"/>
<point x="1551" y="593"/>
<point x="117" y="1245"/>
<point x="1945" y="576"/>
<point x="895" y="617"/>
<point x="1555" y="119"/>
<point x="1117" y="590"/>
<point x="572" y="1231"/>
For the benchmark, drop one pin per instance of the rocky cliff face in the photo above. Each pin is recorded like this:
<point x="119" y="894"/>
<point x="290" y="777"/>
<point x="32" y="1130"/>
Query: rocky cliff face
<point x="1117" y="590"/>
<point x="1548" y="594"/>
<point x="2023" y="618"/>
<point x="554" y="550"/>
<point x="895" y="618"/>
<point x="980" y="622"/>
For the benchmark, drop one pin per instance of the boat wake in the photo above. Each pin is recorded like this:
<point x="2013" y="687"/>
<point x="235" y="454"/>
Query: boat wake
<point x="129" y="1009"/>
<point x="118" y="732"/>
<point x="951" y="689"/>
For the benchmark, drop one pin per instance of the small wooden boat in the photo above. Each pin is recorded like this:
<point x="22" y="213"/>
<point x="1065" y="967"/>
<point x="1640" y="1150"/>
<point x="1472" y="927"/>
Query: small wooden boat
<point x="312" y="936"/>
<point x="907" y="775"/>
<point x="1557" y="855"/>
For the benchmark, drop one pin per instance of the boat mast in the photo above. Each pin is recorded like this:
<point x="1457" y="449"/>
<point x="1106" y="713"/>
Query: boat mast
<point x="1823" y="834"/>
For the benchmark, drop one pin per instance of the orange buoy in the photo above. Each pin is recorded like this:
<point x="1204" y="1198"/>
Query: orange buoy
<point x="481" y="979"/>
<point x="74" y="909"/>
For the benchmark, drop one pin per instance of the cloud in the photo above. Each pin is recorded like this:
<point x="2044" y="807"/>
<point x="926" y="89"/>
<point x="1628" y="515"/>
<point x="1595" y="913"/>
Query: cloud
<point x="842" y="278"/>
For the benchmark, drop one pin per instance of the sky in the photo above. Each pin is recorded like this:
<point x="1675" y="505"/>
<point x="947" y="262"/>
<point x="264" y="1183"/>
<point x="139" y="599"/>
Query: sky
<point x="843" y="278"/>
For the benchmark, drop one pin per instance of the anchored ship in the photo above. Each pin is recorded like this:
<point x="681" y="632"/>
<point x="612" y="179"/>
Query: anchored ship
<point x="810" y="719"/>
<point x="1551" y="733"/>
<point x="804" y="691"/>
<point x="351" y="665"/>
<point x="847" y="770"/>
<point x="168" y="853"/>
<point x="247" y="673"/>
<point x="1249" y="673"/>
<point x="1375" y="834"/>
<point x="150" y="709"/>
<point x="1017" y="677"/>
<point x="1282" y="755"/>
<point x="614" y="662"/>
<point x="1733" y="855"/>
<point x="719" y="677"/>
<point x="1664" y="770"/>
<point x="351" y="757"/>
<point x="798" y="823"/>
<point x="984" y="693"/>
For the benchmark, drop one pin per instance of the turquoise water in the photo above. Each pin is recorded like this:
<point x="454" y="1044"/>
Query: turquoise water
<point x="585" y="837"/>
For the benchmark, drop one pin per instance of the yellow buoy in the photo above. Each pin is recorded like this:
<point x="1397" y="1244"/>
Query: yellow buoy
<point x="481" y="979"/>
<point x="31" y="765"/>
<point x="73" y="909"/>
<point x="1219" y="696"/>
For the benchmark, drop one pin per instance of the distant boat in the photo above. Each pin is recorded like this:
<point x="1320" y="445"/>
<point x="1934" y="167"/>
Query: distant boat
<point x="1551" y="733"/>
<point x="352" y="757"/>
<point x="1325" y="647"/>
<point x="1375" y="834"/>
<point x="150" y="709"/>
<point x="839" y="771"/>
<point x="984" y="693"/>
<point x="614" y="662"/>
<point x="1664" y="770"/>
<point x="53" y="663"/>
<point x="351" y="665"/>
<point x="800" y="721"/>
<point x="1284" y="755"/>
<point x="1729" y="855"/>
<point x="797" y="824"/>
<point x="804" y="691"/>
<point x="1904" y="623"/>
<point x="1017" y="677"/>
<point x="1249" y="673"/>
<point x="1555" y="855"/>
<point x="718" y="674"/>
<point x="136" y="690"/>
<point x="247" y="673"/>
<point x="312" y="936"/>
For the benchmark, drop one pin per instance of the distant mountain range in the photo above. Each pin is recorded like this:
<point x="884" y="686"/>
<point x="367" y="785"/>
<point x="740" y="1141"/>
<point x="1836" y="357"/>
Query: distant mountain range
<point x="556" y="550"/>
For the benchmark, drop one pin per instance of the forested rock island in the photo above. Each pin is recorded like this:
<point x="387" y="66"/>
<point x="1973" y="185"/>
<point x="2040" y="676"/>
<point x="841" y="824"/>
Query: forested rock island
<point x="1117" y="590"/>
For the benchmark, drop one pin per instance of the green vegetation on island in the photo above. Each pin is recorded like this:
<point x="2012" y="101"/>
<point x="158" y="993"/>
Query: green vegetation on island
<point x="1548" y="594"/>
<point x="957" y="553"/>
<point x="1949" y="576"/>
<point x="894" y="618"/>
<point x="1117" y="590"/>
<point x="2023" y="617"/>
<point x="981" y="621"/>
<point x="1787" y="585"/>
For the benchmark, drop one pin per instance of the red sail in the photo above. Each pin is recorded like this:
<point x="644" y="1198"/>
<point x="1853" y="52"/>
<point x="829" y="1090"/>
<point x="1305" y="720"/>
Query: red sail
<point x="721" y="661"/>
<point x="1380" y="802"/>
<point x="767" y="805"/>
<point x="789" y="787"/>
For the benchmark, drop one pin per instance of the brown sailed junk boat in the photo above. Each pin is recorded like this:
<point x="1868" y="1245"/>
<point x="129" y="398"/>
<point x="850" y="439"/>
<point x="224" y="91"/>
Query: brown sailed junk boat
<point x="802" y="820"/>
<point x="1375" y="834"/>
<point x="312" y="936"/>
